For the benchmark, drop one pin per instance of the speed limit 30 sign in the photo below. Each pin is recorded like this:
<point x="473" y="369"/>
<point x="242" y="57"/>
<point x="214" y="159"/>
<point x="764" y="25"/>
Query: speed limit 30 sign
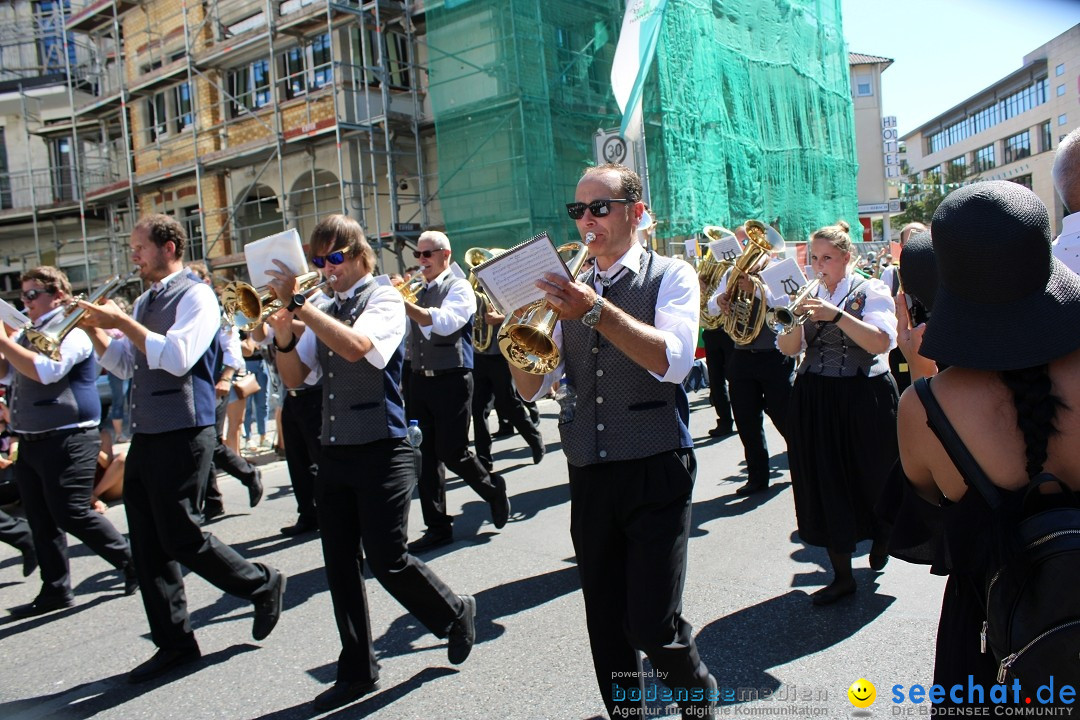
<point x="611" y="148"/>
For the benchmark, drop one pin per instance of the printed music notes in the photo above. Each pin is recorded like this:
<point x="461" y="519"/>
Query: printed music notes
<point x="510" y="278"/>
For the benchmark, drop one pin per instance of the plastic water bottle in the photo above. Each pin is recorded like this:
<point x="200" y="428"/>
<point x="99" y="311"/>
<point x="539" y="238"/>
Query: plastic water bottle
<point x="414" y="435"/>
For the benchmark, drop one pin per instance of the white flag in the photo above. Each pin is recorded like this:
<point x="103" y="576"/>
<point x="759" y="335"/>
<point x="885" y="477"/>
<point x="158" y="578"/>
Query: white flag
<point x="633" y="56"/>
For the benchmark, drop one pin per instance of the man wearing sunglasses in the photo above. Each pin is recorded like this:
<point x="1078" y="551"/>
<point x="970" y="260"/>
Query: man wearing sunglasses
<point x="367" y="470"/>
<point x="627" y="334"/>
<point x="440" y="391"/>
<point x="55" y="412"/>
<point x="171" y="352"/>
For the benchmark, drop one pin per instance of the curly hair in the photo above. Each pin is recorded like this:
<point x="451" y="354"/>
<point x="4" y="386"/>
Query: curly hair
<point x="1036" y="407"/>
<point x="162" y="229"/>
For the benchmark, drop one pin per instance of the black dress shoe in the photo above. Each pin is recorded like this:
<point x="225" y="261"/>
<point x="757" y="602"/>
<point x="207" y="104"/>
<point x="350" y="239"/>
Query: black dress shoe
<point x="462" y="632"/>
<point x="42" y="605"/>
<point x="255" y="489"/>
<point x="29" y="559"/>
<point x="538" y="453"/>
<point x="268" y="609"/>
<point x="500" y="506"/>
<point x="431" y="539"/>
<point x="163" y="661"/>
<point x="752" y="487"/>
<point x="211" y="512"/>
<point x="131" y="580"/>
<point x="301" y="527"/>
<point x="343" y="693"/>
<point x="719" y="432"/>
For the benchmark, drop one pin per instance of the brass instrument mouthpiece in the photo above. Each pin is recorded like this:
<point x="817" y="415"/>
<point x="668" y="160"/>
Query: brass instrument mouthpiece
<point x="589" y="237"/>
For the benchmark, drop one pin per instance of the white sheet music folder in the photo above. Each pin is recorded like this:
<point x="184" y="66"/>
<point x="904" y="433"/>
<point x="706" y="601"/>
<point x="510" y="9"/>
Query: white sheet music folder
<point x="510" y="278"/>
<point x="283" y="246"/>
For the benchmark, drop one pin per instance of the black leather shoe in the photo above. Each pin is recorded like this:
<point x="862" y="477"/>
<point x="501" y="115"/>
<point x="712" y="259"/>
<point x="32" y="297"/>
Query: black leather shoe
<point x="500" y="506"/>
<point x="163" y="661"/>
<point x="131" y="580"/>
<point x="538" y="453"/>
<point x="211" y="512"/>
<point x="268" y="609"/>
<point x="752" y="487"/>
<point x="255" y="489"/>
<point x="344" y="693"/>
<point x="29" y="559"/>
<point x="301" y="527"/>
<point x="719" y="432"/>
<point x="42" y="605"/>
<point x="462" y="632"/>
<point x="430" y="540"/>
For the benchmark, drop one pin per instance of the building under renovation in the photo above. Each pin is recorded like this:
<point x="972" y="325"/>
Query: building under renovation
<point x="245" y="117"/>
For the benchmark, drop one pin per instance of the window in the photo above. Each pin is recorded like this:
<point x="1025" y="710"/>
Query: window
<point x="1015" y="104"/>
<point x="1024" y="180"/>
<point x="1046" y="139"/>
<point x="984" y="158"/>
<point x="863" y="86"/>
<point x="189" y="218"/>
<point x="1059" y="70"/>
<point x="62" y="170"/>
<point x="1062" y="119"/>
<point x="398" y="70"/>
<point x="310" y="66"/>
<point x="250" y="87"/>
<point x="1017" y="147"/>
<point x="1060" y="90"/>
<point x="5" y="178"/>
<point x="957" y="170"/>
<point x="182" y="98"/>
<point x="157" y="116"/>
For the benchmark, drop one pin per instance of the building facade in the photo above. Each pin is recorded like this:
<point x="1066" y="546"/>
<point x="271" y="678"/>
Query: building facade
<point x="874" y="142"/>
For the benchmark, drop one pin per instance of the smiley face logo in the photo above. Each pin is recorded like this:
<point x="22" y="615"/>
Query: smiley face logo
<point x="862" y="693"/>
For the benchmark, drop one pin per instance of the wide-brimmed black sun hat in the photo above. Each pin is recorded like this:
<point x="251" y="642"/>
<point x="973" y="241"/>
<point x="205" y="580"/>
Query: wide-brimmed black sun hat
<point x="918" y="268"/>
<point x="1003" y="301"/>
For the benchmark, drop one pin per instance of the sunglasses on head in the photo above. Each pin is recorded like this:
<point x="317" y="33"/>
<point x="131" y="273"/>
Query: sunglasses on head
<point x="33" y="293"/>
<point x="335" y="258"/>
<point x="426" y="253"/>
<point x="599" y="208"/>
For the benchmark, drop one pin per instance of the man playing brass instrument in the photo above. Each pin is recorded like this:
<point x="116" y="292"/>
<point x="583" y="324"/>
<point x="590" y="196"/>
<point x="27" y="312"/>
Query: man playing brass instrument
<point x="626" y="335"/>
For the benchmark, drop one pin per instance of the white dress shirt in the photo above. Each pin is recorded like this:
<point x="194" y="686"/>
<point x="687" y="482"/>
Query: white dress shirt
<point x="678" y="310"/>
<point x="382" y="322"/>
<point x="198" y="321"/>
<point x="456" y="309"/>
<point x="1067" y="244"/>
<point x="879" y="310"/>
<point x="232" y="353"/>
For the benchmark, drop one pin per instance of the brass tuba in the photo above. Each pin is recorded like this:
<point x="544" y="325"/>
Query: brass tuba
<point x="48" y="339"/>
<point x="784" y="319"/>
<point x="482" y="333"/>
<point x="248" y="307"/>
<point x="525" y="338"/>
<point x="711" y="271"/>
<point x="745" y="317"/>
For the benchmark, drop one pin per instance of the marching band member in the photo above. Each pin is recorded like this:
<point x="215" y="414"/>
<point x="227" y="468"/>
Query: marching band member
<point x="171" y="353"/>
<point x="626" y="336"/>
<point x="55" y="413"/>
<point x="367" y="470"/>
<point x="842" y="416"/>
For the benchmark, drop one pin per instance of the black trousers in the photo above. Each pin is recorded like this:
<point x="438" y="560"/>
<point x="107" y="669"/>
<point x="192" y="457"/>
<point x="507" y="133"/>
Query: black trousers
<point x="225" y="459"/>
<point x="162" y="482"/>
<point x="362" y="496"/>
<point x="55" y="476"/>
<point x="760" y="382"/>
<point x="15" y="531"/>
<point x="442" y="405"/>
<point x="718" y="348"/>
<point x="491" y="377"/>
<point x="630" y="521"/>
<point x="301" y="422"/>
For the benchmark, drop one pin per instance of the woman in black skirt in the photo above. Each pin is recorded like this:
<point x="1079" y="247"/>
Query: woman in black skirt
<point x="842" y="416"/>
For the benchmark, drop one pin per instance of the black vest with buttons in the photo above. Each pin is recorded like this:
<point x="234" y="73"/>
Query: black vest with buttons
<point x="73" y="399"/>
<point x="622" y="412"/>
<point x="361" y="403"/>
<point x="441" y="352"/>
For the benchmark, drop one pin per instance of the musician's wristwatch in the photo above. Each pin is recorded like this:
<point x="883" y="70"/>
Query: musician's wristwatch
<point x="592" y="318"/>
<point x="297" y="302"/>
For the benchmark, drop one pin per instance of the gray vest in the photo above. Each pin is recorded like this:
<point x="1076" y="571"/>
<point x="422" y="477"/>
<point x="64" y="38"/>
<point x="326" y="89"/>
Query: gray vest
<point x="831" y="353"/>
<point x="440" y="352"/>
<point x="160" y="401"/>
<point x="617" y="410"/>
<point x="361" y="403"/>
<point x="73" y="399"/>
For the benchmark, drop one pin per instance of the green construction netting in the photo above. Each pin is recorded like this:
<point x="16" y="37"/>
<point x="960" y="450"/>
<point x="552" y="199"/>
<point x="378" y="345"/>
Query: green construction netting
<point x="748" y="114"/>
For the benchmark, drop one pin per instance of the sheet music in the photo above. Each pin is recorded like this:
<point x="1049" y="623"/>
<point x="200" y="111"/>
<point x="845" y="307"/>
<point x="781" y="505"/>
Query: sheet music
<point x="283" y="246"/>
<point x="11" y="316"/>
<point x="510" y="278"/>
<point x="726" y="248"/>
<point x="784" y="278"/>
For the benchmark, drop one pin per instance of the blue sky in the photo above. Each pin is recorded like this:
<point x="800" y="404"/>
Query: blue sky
<point x="948" y="50"/>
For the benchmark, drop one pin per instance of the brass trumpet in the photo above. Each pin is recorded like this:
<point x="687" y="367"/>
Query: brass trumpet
<point x="48" y="339"/>
<point x="411" y="289"/>
<point x="784" y="319"/>
<point x="248" y="307"/>
<point x="525" y="340"/>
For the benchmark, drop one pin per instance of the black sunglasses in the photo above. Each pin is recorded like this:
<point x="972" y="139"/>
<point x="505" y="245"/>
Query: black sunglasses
<point x="335" y="258"/>
<point x="33" y="293"/>
<point x="426" y="253"/>
<point x="599" y="208"/>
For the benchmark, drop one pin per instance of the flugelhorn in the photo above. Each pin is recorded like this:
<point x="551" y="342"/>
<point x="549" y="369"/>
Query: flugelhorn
<point x="48" y="339"/>
<point x="248" y="307"/>
<point x="411" y="289"/>
<point x="525" y="339"/>
<point x="784" y="319"/>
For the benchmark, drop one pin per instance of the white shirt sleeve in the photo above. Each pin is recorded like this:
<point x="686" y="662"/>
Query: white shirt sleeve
<point x="456" y="309"/>
<point x="383" y="323"/>
<point x="880" y="309"/>
<point x="307" y="352"/>
<point x="198" y="320"/>
<point x="75" y="348"/>
<point x="232" y="353"/>
<point x="678" y="310"/>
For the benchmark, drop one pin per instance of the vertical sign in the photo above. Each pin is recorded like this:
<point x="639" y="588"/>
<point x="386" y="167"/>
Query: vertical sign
<point x="890" y="145"/>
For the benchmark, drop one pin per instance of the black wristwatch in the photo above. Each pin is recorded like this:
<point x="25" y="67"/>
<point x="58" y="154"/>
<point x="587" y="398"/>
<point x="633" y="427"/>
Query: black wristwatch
<point x="297" y="302"/>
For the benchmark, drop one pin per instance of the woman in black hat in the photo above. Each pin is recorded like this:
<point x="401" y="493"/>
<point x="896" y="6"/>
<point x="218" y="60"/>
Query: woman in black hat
<point x="1004" y="320"/>
<point x="843" y="403"/>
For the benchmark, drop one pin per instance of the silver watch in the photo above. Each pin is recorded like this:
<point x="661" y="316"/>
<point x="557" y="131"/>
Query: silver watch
<point x="592" y="318"/>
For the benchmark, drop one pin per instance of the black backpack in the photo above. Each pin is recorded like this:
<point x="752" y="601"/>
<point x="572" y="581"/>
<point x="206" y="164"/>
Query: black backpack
<point x="1032" y="624"/>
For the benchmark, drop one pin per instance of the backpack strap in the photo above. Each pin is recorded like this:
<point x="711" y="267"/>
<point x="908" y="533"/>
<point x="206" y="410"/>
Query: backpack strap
<point x="954" y="446"/>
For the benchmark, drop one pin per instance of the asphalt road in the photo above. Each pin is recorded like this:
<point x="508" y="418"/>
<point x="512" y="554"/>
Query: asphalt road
<point x="746" y="595"/>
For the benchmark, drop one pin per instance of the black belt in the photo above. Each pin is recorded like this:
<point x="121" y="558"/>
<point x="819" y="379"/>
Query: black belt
<point x="34" y="437"/>
<point x="434" y="373"/>
<point x="304" y="390"/>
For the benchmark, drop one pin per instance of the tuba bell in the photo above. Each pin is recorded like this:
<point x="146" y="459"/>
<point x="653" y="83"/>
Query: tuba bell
<point x="48" y="339"/>
<point x="248" y="307"/>
<point x="746" y="309"/>
<point x="482" y="333"/>
<point x="710" y="272"/>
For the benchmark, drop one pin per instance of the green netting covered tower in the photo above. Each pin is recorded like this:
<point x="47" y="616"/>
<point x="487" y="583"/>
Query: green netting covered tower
<point x="748" y="114"/>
